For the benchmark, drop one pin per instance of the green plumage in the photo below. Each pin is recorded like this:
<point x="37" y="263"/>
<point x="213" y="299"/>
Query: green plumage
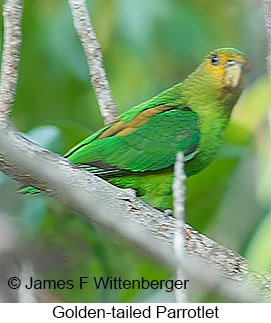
<point x="138" y="150"/>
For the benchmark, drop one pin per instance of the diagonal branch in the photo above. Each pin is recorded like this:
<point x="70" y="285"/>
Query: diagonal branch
<point x="92" y="48"/>
<point x="11" y="55"/>
<point x="95" y="199"/>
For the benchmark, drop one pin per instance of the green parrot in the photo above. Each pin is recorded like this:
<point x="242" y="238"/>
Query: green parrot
<point x="138" y="149"/>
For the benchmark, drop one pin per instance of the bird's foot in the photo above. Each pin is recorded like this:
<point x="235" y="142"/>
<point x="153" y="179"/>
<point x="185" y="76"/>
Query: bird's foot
<point x="168" y="212"/>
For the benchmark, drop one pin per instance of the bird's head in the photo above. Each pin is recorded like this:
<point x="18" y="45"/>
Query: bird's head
<point x="219" y="79"/>
<point x="228" y="67"/>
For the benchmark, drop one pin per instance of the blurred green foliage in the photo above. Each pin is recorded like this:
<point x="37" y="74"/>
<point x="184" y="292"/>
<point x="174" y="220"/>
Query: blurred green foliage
<point x="148" y="46"/>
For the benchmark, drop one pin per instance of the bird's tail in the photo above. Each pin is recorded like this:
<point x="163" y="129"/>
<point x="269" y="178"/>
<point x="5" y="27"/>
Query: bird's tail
<point x="28" y="190"/>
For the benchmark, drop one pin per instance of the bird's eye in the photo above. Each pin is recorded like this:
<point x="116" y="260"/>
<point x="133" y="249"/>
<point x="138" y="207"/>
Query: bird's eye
<point x="215" y="60"/>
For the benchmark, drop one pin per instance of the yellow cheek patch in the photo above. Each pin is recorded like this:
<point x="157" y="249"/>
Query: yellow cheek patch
<point x="233" y="72"/>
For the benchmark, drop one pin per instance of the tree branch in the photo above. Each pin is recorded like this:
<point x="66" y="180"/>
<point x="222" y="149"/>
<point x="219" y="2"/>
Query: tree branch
<point x="266" y="9"/>
<point x="95" y="199"/>
<point x="11" y="55"/>
<point x="178" y="189"/>
<point x="92" y="48"/>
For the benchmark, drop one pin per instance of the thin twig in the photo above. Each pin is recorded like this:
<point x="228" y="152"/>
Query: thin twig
<point x="92" y="48"/>
<point x="266" y="9"/>
<point x="26" y="295"/>
<point x="179" y="240"/>
<point x="11" y="55"/>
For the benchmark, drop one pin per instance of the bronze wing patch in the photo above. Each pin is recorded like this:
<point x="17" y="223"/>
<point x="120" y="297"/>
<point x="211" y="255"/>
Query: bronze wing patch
<point x="121" y="128"/>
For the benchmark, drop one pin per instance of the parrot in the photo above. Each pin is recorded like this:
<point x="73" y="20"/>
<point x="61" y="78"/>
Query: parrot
<point x="138" y="149"/>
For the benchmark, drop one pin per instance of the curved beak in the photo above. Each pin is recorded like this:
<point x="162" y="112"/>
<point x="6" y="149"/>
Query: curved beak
<point x="233" y="73"/>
